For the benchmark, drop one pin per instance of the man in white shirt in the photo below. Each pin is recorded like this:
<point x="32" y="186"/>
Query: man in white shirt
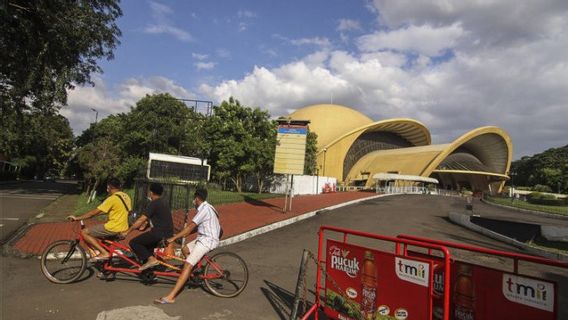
<point x="206" y="221"/>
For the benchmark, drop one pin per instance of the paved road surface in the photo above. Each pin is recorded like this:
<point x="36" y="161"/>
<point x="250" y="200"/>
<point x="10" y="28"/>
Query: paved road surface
<point x="22" y="200"/>
<point x="273" y="263"/>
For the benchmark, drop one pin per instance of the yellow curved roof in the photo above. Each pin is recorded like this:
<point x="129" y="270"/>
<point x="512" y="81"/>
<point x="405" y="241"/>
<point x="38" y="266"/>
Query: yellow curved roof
<point x="413" y="131"/>
<point x="330" y="121"/>
<point x="492" y="145"/>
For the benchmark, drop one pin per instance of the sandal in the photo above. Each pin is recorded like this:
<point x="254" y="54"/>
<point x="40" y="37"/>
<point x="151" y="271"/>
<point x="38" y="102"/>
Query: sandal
<point x="163" y="301"/>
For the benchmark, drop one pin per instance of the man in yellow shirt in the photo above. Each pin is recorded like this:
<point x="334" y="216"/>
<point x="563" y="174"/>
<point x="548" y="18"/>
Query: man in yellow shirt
<point x="117" y="206"/>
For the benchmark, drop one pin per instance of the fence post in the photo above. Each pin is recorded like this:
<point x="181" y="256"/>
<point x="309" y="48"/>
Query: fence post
<point x="299" y="286"/>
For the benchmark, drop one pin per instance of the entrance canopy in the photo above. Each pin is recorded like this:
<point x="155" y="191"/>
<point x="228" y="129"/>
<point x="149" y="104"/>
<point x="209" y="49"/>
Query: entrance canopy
<point x="402" y="177"/>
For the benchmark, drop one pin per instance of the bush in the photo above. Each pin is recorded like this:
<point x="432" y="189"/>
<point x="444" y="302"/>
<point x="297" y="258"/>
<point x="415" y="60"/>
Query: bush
<point x="542" y="188"/>
<point x="545" y="199"/>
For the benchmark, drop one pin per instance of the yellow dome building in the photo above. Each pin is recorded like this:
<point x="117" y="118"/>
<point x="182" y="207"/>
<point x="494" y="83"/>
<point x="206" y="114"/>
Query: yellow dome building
<point x="354" y="149"/>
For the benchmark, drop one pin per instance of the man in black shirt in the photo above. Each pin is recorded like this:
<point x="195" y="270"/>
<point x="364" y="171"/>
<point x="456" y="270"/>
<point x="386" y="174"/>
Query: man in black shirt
<point x="159" y="213"/>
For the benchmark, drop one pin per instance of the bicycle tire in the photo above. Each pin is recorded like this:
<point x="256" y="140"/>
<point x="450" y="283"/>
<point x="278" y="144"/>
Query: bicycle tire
<point x="234" y="268"/>
<point x="57" y="260"/>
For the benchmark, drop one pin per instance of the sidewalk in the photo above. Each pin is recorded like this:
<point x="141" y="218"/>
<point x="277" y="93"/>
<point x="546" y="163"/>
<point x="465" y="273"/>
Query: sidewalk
<point x="236" y="219"/>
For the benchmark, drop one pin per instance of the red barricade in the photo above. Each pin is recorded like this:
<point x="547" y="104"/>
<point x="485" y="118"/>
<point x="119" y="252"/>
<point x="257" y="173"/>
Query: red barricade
<point x="367" y="282"/>
<point x="483" y="293"/>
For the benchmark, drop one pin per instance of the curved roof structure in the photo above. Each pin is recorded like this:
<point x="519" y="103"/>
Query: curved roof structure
<point x="330" y="121"/>
<point x="353" y="148"/>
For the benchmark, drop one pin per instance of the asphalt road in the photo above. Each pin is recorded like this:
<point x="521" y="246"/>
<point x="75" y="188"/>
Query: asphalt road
<point x="20" y="201"/>
<point x="272" y="258"/>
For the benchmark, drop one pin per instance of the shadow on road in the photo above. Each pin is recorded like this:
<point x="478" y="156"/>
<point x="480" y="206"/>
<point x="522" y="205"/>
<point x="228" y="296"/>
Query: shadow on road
<point x="280" y="299"/>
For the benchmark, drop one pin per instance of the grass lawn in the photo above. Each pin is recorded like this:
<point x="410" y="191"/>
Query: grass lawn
<point x="529" y="206"/>
<point x="216" y="197"/>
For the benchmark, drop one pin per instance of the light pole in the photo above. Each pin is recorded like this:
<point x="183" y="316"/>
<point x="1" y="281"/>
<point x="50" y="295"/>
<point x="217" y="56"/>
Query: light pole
<point x="513" y="174"/>
<point x="324" y="152"/>
<point x="96" y="115"/>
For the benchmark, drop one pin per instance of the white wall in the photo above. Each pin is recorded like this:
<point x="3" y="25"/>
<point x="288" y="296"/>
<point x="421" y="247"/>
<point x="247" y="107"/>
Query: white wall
<point x="303" y="184"/>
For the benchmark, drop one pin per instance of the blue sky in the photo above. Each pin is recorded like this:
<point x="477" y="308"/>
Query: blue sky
<point x="454" y="65"/>
<point x="196" y="42"/>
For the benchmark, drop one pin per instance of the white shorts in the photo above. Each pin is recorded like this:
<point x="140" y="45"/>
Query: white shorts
<point x="196" y="251"/>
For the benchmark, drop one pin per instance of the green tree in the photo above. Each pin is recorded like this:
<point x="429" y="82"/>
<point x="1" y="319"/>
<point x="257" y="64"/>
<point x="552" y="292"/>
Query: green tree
<point x="242" y="142"/>
<point x="48" y="47"/>
<point x="98" y="160"/>
<point x="310" y="163"/>
<point x="549" y="168"/>
<point x="44" y="142"/>
<point x="158" y="123"/>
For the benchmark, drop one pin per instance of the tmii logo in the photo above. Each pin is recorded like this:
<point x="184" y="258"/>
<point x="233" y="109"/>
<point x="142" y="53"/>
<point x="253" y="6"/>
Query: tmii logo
<point x="412" y="271"/>
<point x="534" y="293"/>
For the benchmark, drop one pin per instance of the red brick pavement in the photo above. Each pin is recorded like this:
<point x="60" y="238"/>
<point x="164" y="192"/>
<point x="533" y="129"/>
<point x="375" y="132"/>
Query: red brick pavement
<point x="235" y="219"/>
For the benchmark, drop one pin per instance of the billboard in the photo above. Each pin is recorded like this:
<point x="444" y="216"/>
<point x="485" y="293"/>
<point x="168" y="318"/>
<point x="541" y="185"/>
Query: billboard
<point x="363" y="283"/>
<point x="482" y="293"/>
<point x="290" y="149"/>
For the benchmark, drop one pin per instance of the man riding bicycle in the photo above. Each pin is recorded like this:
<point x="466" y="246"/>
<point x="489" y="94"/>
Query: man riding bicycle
<point x="159" y="213"/>
<point x="206" y="221"/>
<point x="117" y="206"/>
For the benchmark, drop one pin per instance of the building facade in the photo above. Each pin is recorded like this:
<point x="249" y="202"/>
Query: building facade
<point x="353" y="148"/>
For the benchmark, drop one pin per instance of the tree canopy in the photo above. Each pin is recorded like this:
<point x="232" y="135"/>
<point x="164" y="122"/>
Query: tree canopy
<point x="48" y="47"/>
<point x="546" y="171"/>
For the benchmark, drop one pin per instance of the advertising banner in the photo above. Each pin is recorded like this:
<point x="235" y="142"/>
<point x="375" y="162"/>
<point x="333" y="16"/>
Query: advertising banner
<point x="481" y="293"/>
<point x="376" y="285"/>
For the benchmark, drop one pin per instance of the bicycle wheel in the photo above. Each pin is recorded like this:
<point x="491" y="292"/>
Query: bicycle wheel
<point x="226" y="275"/>
<point x="63" y="261"/>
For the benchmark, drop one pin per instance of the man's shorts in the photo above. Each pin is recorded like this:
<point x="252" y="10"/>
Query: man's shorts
<point x="196" y="251"/>
<point x="99" y="231"/>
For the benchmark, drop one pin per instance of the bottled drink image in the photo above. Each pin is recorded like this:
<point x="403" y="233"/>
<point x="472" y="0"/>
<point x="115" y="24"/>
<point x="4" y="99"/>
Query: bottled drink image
<point x="464" y="295"/>
<point x="369" y="286"/>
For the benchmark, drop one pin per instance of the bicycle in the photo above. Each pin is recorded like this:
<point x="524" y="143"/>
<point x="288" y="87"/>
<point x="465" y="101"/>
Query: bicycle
<point x="223" y="274"/>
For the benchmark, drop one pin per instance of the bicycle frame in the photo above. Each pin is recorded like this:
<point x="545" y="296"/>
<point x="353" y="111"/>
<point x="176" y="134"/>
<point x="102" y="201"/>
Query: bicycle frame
<point x="117" y="249"/>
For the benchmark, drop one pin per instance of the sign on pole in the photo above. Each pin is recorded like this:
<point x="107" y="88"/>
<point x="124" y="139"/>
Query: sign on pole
<point x="290" y="152"/>
<point x="291" y="147"/>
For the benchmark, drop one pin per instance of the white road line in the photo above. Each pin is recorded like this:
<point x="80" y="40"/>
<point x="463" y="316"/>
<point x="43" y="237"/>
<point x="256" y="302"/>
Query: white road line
<point x="10" y="219"/>
<point x="1" y="225"/>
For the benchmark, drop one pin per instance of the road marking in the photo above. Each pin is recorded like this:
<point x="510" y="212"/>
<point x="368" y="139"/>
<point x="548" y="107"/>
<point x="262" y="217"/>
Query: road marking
<point x="1" y="225"/>
<point x="10" y="219"/>
<point x="135" y="313"/>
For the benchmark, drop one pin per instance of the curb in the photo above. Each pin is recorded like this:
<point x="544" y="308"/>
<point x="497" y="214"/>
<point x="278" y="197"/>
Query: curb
<point x="464" y="221"/>
<point x="283" y="223"/>
<point x="544" y="214"/>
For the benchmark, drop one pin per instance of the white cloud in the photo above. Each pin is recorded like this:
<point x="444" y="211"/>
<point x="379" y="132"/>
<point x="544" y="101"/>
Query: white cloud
<point x="514" y="77"/>
<point x="205" y="65"/>
<point x="348" y="25"/>
<point x="199" y="56"/>
<point x="174" y="31"/>
<point x="161" y="23"/>
<point x="246" y="14"/>
<point x="423" y="39"/>
<point x="223" y="53"/>
<point x="112" y="101"/>
<point x="317" y="41"/>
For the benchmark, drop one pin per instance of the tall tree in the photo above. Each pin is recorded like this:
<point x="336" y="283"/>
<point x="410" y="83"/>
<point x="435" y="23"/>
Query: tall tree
<point x="310" y="163"/>
<point x="157" y="124"/>
<point x="47" y="47"/>
<point x="242" y="142"/>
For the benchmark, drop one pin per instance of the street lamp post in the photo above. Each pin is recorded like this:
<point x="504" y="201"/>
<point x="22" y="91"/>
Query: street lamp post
<point x="96" y="114"/>
<point x="324" y="153"/>
<point x="513" y="174"/>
